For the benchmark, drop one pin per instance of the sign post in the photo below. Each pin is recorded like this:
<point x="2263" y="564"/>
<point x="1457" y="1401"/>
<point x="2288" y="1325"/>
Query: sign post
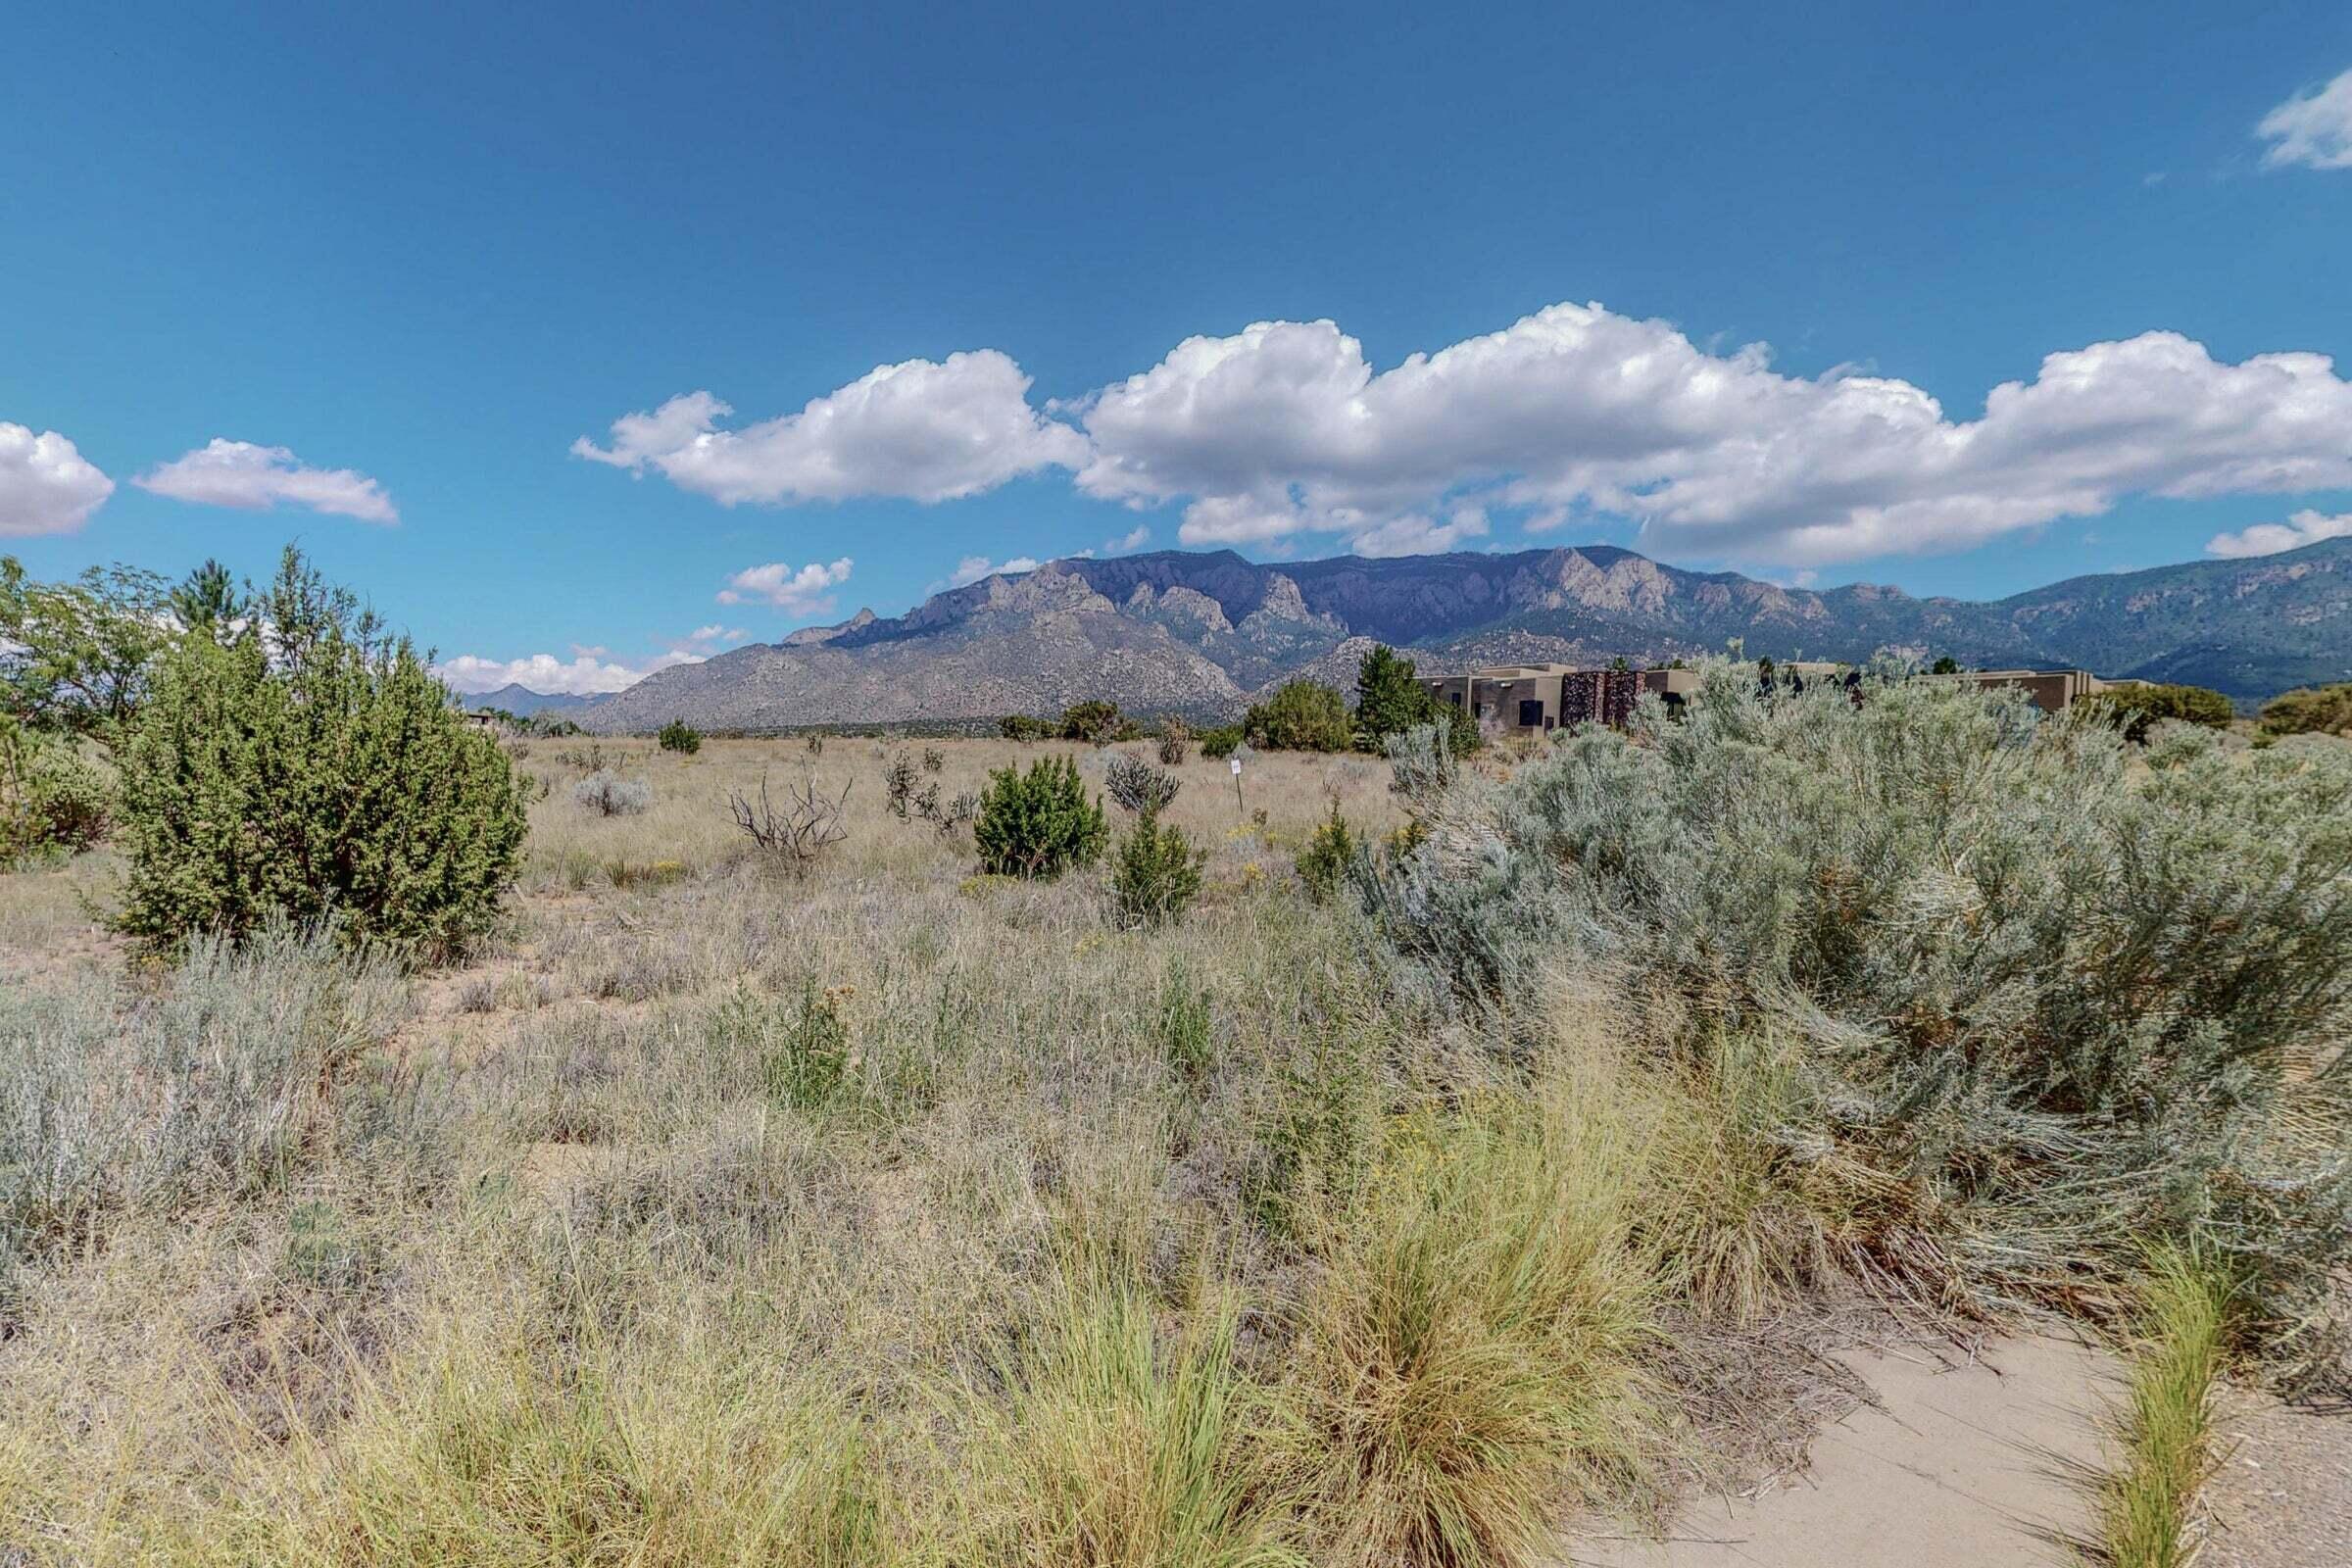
<point x="1237" y="784"/>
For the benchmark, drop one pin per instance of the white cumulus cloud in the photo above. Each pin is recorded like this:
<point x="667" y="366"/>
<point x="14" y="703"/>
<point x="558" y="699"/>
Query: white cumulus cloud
<point x="919" y="431"/>
<point x="544" y="673"/>
<point x="802" y="591"/>
<point x="1286" y="429"/>
<point x="2306" y="527"/>
<point x="46" y="485"/>
<point x="971" y="568"/>
<point x="1414" y="535"/>
<point x="1133" y="538"/>
<point x="240" y="473"/>
<point x="2312" y="128"/>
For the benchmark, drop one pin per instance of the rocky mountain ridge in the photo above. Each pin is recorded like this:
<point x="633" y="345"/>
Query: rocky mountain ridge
<point x="1203" y="633"/>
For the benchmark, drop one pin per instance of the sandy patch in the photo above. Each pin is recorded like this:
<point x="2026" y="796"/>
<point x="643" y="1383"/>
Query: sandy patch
<point x="1958" y="1464"/>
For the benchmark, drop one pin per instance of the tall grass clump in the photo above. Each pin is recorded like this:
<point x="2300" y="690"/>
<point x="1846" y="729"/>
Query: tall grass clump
<point x="2069" y="997"/>
<point x="216" y="1087"/>
<point x="2180" y="1329"/>
<point x="1124" y="1447"/>
<point x="1467" y="1362"/>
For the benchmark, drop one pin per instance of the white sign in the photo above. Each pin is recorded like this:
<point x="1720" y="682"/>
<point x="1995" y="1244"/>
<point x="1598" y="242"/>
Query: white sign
<point x="1236" y="766"/>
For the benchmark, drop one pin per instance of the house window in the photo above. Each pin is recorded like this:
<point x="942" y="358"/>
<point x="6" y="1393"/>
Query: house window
<point x="1531" y="712"/>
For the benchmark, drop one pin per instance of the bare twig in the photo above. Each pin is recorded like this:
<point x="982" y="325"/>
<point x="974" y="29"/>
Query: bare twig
<point x="797" y="833"/>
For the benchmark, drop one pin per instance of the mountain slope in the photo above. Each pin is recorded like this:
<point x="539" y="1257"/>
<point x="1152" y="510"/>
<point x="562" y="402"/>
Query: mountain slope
<point x="1199" y="634"/>
<point x="522" y="702"/>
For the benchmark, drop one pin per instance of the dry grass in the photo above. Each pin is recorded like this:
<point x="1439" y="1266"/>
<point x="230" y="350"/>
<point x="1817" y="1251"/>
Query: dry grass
<point x="888" y="1214"/>
<point x="566" y="1258"/>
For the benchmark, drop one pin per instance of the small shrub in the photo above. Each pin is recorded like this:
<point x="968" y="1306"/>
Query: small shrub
<point x="679" y="735"/>
<point x="606" y="796"/>
<point x="1305" y="715"/>
<point x="1422" y="766"/>
<point x="1324" y="863"/>
<point x="1137" y="785"/>
<point x="1023" y="727"/>
<point x="1218" y="744"/>
<point x="1038" y="823"/>
<point x="809" y="1050"/>
<point x="50" y="799"/>
<point x="2311" y="710"/>
<point x="897" y="786"/>
<point x="816" y="744"/>
<point x="933" y="759"/>
<point x="1175" y="740"/>
<point x="1095" y="722"/>
<point x="951" y="816"/>
<point x="1156" y="875"/>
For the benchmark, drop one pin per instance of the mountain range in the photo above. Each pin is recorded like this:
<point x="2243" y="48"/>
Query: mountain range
<point x="1202" y="634"/>
<point x="522" y="702"/>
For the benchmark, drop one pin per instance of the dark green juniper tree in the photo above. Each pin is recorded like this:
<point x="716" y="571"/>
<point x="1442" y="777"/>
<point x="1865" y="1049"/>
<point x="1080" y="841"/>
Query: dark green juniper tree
<point x="308" y="765"/>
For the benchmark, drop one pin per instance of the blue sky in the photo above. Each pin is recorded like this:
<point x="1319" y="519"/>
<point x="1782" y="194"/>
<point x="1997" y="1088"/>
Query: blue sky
<point x="408" y="271"/>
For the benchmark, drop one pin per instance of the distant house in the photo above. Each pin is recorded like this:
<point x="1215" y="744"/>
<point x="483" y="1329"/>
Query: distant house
<point x="2050" y="690"/>
<point x="1531" y="699"/>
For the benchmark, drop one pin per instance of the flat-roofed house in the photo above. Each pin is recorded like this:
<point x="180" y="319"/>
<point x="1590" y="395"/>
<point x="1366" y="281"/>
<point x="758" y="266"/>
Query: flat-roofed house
<point x="2053" y="691"/>
<point x="1518" y="697"/>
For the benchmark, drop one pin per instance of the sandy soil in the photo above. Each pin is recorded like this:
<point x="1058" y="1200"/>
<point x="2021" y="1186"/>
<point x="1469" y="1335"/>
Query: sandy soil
<point x="2282" y="1495"/>
<point x="1958" y="1464"/>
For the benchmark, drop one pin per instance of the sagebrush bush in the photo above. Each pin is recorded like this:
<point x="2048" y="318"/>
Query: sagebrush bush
<point x="1038" y="823"/>
<point x="216" y="1087"/>
<point x="608" y="794"/>
<point x="681" y="737"/>
<point x="323" y="773"/>
<point x="1137" y="785"/>
<point x="1175" y="740"/>
<point x="2072" y="1003"/>
<point x="1156" y="875"/>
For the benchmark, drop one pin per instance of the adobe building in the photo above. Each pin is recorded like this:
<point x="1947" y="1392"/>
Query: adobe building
<point x="1525" y="697"/>
<point x="2053" y="691"/>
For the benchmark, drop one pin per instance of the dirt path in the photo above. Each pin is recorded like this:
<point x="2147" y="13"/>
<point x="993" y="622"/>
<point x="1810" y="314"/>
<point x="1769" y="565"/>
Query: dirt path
<point x="1959" y="1465"/>
<point x="2282" y="1495"/>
